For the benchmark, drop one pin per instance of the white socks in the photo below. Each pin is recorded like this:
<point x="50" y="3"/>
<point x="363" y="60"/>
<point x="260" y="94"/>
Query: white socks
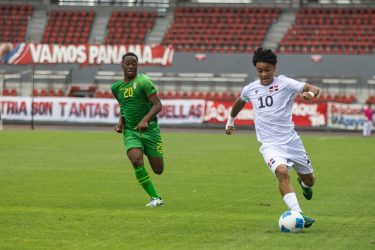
<point x="291" y="201"/>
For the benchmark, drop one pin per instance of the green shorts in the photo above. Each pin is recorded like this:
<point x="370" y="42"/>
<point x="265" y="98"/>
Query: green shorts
<point x="149" y="141"/>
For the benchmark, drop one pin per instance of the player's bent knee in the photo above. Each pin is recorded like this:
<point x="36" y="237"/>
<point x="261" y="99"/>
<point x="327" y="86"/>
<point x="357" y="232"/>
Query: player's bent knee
<point x="157" y="164"/>
<point x="136" y="161"/>
<point x="157" y="167"/>
<point x="158" y="170"/>
<point x="282" y="172"/>
<point x="310" y="181"/>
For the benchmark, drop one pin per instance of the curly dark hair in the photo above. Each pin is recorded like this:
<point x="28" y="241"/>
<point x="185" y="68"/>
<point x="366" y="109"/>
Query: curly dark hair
<point x="264" y="55"/>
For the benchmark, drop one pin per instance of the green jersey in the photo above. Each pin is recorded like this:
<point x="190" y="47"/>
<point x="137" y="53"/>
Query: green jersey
<point x="133" y="99"/>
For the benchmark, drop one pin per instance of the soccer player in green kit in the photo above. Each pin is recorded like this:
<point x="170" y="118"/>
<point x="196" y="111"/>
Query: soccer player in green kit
<point x="139" y="106"/>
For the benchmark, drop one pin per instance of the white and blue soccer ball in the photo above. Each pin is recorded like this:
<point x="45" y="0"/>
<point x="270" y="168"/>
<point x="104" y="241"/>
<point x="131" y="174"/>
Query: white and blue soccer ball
<point x="291" y="221"/>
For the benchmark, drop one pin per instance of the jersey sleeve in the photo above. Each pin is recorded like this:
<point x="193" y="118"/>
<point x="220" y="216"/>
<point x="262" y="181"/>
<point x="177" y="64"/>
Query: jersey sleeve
<point x="245" y="94"/>
<point x="294" y="85"/>
<point x="148" y="86"/>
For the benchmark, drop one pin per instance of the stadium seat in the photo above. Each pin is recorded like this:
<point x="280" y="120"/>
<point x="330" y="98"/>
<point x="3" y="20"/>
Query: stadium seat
<point x="330" y="31"/>
<point x="13" y="22"/>
<point x="162" y="95"/>
<point x="51" y="92"/>
<point x="68" y="27"/>
<point x="218" y="29"/>
<point x="60" y="92"/>
<point x="129" y="27"/>
<point x="35" y="92"/>
<point x="43" y="92"/>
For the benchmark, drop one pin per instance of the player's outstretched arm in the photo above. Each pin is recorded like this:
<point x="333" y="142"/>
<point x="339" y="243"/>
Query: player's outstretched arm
<point x="310" y="92"/>
<point x="237" y="107"/>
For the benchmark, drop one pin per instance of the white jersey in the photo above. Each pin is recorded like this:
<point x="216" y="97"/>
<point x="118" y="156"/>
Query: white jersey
<point x="272" y="105"/>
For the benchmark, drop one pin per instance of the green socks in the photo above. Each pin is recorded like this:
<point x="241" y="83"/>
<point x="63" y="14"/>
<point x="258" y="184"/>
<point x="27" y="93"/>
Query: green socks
<point x="145" y="180"/>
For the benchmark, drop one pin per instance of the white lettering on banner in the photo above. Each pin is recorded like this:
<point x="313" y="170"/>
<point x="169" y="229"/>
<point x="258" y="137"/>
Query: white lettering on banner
<point x="246" y="114"/>
<point x="107" y="54"/>
<point x="317" y="120"/>
<point x="311" y="111"/>
<point x="122" y="51"/>
<point x="302" y="109"/>
<point x="136" y="49"/>
<point x="346" y="122"/>
<point x="59" y="54"/>
<point x="103" y="55"/>
<point x="71" y="54"/>
<point x="81" y="54"/>
<point x="35" y="52"/>
<point x="147" y="54"/>
<point x="112" y="54"/>
<point x="90" y="54"/>
<point x="345" y="116"/>
<point x="345" y="109"/>
<point x="45" y="53"/>
<point x="93" y="54"/>
<point x="168" y="56"/>
<point x="220" y="112"/>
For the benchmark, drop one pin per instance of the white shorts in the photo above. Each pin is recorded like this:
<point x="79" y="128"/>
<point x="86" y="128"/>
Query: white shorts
<point x="291" y="155"/>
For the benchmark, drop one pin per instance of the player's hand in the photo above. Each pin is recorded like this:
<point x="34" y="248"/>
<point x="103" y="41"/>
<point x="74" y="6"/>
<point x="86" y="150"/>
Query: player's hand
<point x="142" y="125"/>
<point x="229" y="127"/>
<point x="119" y="128"/>
<point x="308" y="96"/>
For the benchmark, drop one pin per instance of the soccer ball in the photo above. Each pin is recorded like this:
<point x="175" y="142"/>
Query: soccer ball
<point x="291" y="221"/>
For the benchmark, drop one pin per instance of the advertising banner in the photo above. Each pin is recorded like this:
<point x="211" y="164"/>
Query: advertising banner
<point x="30" y="53"/>
<point x="218" y="112"/>
<point x="83" y="110"/>
<point x="175" y="111"/>
<point x="92" y="110"/>
<point x="345" y="116"/>
<point x="305" y="115"/>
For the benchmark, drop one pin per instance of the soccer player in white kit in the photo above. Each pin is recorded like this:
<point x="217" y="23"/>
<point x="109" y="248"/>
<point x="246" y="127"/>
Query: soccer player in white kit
<point x="272" y="98"/>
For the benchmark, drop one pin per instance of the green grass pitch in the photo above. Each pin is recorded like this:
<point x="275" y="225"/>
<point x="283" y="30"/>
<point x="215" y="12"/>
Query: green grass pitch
<point x="76" y="190"/>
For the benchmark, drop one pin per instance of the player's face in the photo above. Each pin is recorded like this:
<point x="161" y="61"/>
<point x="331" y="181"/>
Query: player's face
<point x="130" y="66"/>
<point x="266" y="72"/>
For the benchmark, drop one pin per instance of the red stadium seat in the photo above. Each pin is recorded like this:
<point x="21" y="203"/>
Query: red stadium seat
<point x="122" y="24"/>
<point x="162" y="95"/>
<point x="201" y="29"/>
<point x="13" y="92"/>
<point x="13" y="21"/>
<point x="69" y="26"/>
<point x="43" y="92"/>
<point x="60" y="92"/>
<point x="35" y="92"/>
<point x="330" y="31"/>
